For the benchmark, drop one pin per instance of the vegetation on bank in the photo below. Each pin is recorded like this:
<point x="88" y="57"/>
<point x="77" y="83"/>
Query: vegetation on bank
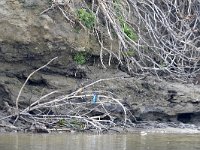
<point x="87" y="18"/>
<point x="80" y="58"/>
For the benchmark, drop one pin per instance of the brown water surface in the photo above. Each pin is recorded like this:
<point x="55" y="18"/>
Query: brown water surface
<point x="137" y="141"/>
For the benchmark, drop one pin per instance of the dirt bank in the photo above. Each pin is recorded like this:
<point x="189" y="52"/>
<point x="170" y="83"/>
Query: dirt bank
<point x="152" y="102"/>
<point x="29" y="39"/>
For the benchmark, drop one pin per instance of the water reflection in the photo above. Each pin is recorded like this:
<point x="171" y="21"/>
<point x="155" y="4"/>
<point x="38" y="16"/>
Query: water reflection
<point x="99" y="142"/>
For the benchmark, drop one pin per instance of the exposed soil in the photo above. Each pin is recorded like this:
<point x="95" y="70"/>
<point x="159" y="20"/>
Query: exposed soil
<point x="155" y="103"/>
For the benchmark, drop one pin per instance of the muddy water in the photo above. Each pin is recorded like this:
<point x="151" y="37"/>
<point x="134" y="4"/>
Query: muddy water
<point x="99" y="142"/>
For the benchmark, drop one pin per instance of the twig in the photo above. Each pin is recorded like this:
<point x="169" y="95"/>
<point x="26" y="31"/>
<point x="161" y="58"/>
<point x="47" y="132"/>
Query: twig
<point x="20" y="91"/>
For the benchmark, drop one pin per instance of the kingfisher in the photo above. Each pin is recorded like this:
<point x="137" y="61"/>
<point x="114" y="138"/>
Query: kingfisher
<point x="94" y="98"/>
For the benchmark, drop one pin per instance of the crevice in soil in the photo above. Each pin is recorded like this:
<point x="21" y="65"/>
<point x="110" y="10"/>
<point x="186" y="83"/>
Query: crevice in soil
<point x="185" y="117"/>
<point x="193" y="118"/>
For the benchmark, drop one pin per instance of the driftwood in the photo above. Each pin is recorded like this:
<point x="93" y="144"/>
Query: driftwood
<point x="159" y="36"/>
<point x="79" y="111"/>
<point x="83" y="109"/>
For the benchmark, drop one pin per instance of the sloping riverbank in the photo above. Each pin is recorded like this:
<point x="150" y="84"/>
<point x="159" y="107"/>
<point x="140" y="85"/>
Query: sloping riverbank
<point x="89" y="87"/>
<point x="149" y="103"/>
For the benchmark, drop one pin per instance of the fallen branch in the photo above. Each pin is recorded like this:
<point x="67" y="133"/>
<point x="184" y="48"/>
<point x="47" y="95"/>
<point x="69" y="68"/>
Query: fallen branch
<point x="20" y="91"/>
<point x="159" y="37"/>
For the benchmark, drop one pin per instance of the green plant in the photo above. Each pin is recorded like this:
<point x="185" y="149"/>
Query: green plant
<point x="61" y="122"/>
<point x="130" y="53"/>
<point x="129" y="32"/>
<point x="80" y="58"/>
<point x="127" y="29"/>
<point x="77" y="124"/>
<point x="87" y="18"/>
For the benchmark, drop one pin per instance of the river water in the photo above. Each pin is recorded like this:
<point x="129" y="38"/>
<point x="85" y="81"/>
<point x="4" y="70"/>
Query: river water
<point x="136" y="141"/>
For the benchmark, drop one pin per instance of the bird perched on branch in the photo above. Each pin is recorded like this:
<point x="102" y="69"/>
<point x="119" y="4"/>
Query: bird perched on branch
<point x="94" y="98"/>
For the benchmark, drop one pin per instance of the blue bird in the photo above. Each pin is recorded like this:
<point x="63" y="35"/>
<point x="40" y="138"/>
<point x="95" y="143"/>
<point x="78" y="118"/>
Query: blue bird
<point x="94" y="99"/>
